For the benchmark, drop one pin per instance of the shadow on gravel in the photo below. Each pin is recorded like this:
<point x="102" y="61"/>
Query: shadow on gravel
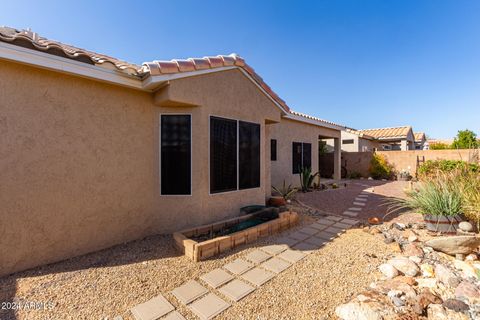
<point x="150" y="248"/>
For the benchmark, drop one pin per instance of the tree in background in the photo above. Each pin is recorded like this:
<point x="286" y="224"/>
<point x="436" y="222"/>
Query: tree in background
<point x="465" y="139"/>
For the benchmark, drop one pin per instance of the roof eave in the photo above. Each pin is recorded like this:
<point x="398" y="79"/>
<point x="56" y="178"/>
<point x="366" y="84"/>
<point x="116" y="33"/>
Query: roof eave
<point x="294" y="117"/>
<point x="60" y="64"/>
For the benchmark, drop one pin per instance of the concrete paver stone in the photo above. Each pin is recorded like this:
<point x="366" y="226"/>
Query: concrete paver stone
<point x="152" y="309"/>
<point x="258" y="276"/>
<point x="209" y="306"/>
<point x="292" y="256"/>
<point x="257" y="256"/>
<point x="216" y="277"/>
<point x="189" y="291"/>
<point x="236" y="290"/>
<point x="238" y="266"/>
<point x="276" y="265"/>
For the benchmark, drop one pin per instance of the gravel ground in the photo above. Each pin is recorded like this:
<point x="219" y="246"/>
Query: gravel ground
<point x="108" y="283"/>
<point x="336" y="201"/>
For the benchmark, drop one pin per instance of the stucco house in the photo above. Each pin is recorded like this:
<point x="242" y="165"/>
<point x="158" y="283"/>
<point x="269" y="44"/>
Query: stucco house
<point x="356" y="141"/>
<point x="421" y="142"/>
<point x="96" y="151"/>
<point x="392" y="138"/>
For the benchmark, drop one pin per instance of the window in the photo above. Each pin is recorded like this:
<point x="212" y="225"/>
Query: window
<point x="234" y="148"/>
<point x="273" y="150"/>
<point x="223" y="155"/>
<point x="248" y="155"/>
<point x="175" y="172"/>
<point x="301" y="156"/>
<point x="347" y="141"/>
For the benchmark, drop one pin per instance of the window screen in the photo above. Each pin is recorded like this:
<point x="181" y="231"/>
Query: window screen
<point x="223" y="155"/>
<point x="175" y="151"/>
<point x="347" y="141"/>
<point x="273" y="150"/>
<point x="248" y="155"/>
<point x="296" y="157"/>
<point x="301" y="156"/>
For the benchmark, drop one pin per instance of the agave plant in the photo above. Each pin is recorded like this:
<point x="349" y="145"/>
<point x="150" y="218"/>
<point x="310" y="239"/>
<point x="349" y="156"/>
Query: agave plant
<point x="287" y="192"/>
<point x="306" y="178"/>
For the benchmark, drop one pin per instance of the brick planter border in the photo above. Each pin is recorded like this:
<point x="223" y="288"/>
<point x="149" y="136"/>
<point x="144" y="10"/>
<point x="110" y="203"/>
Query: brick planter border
<point x="202" y="250"/>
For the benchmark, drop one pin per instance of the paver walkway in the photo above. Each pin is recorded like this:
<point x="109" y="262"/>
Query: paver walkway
<point x="236" y="280"/>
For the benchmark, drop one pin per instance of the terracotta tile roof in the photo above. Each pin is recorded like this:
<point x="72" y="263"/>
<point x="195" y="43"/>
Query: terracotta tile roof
<point x="315" y="118"/>
<point x="387" y="133"/>
<point x="419" y="136"/>
<point x="158" y="67"/>
<point x="360" y="134"/>
<point x="31" y="40"/>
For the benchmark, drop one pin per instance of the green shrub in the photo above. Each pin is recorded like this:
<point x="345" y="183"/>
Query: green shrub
<point x="306" y="178"/>
<point x="439" y="146"/>
<point x="434" y="167"/>
<point x="380" y="168"/>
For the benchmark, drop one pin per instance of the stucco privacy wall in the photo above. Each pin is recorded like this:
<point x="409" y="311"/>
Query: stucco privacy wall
<point x="360" y="161"/>
<point x="79" y="162"/>
<point x="402" y="160"/>
<point x="287" y="132"/>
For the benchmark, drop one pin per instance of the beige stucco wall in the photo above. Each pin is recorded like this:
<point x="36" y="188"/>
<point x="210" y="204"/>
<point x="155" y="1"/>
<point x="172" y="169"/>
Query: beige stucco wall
<point x="79" y="162"/>
<point x="286" y="132"/>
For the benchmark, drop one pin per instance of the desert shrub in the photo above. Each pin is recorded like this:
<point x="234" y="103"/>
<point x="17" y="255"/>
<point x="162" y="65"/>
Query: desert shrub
<point x="440" y="196"/>
<point x="468" y="183"/>
<point x="287" y="192"/>
<point x="439" y="146"/>
<point x="434" y="167"/>
<point x="380" y="168"/>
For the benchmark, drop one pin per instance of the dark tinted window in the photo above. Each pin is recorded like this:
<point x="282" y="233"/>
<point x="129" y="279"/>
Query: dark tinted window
<point x="296" y="157"/>
<point x="273" y="150"/>
<point x="347" y="141"/>
<point x="248" y="155"/>
<point x="175" y="151"/>
<point x="307" y="155"/>
<point x="223" y="155"/>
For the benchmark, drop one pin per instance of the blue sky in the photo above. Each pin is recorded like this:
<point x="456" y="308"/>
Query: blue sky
<point x="361" y="63"/>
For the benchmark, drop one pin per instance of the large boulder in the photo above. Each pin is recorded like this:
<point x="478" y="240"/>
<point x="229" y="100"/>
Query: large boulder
<point x="455" y="244"/>
<point x="446" y="276"/>
<point x="357" y="311"/>
<point x="405" y="266"/>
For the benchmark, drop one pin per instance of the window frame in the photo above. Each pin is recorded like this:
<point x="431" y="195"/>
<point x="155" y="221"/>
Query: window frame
<point x="160" y="154"/>
<point x="272" y="157"/>
<point x="210" y="116"/>
<point x="301" y="154"/>
<point x="348" y="141"/>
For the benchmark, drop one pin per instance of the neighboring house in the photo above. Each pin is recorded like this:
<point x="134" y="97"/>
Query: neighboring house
<point x="393" y="138"/>
<point x="421" y="142"/>
<point x="96" y="151"/>
<point x="356" y="141"/>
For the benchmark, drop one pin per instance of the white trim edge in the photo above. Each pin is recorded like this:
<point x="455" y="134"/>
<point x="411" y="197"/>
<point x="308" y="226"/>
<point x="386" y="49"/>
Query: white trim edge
<point x="51" y="62"/>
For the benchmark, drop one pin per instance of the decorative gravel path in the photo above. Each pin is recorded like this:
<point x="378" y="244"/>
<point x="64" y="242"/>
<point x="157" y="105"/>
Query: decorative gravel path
<point x="214" y="292"/>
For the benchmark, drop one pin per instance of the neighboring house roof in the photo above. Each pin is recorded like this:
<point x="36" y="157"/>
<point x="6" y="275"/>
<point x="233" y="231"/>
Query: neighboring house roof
<point x="360" y="134"/>
<point x="419" y="136"/>
<point x="140" y="77"/>
<point x="388" y="133"/>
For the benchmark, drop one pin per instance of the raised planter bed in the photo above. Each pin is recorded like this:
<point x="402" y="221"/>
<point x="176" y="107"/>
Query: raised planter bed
<point x="190" y="242"/>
